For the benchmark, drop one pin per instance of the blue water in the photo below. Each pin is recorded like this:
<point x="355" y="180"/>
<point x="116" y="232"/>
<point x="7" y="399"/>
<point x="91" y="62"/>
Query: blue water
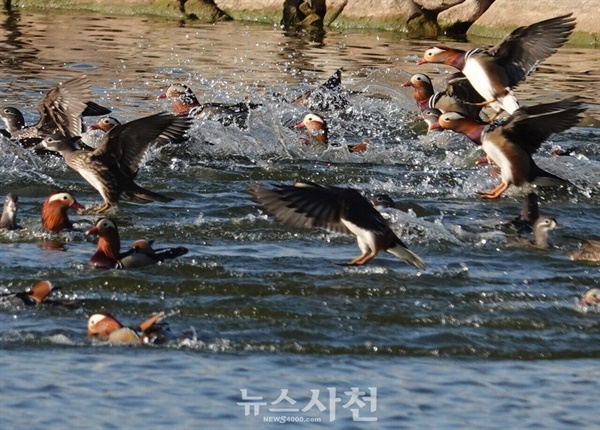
<point x="488" y="336"/>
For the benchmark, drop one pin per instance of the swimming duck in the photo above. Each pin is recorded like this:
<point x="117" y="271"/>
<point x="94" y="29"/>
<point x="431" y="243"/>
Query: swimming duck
<point x="316" y="128"/>
<point x="591" y="298"/>
<point x="142" y="254"/>
<point x="541" y="230"/>
<point x="495" y="71"/>
<point x="511" y="143"/>
<point x="54" y="211"/>
<point x="8" y="221"/>
<point x="589" y="251"/>
<point x="341" y="210"/>
<point x="112" y="167"/>
<point x="318" y="132"/>
<point x="185" y="102"/>
<point x="105" y="327"/>
<point x="33" y="296"/>
<point x="60" y="112"/>
<point x="108" y="252"/>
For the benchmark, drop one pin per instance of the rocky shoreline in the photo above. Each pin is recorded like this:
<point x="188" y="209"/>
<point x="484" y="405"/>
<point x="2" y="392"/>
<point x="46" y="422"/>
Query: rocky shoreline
<point x="483" y="17"/>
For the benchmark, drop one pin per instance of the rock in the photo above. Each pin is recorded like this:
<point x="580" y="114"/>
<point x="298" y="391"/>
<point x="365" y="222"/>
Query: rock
<point x="458" y="20"/>
<point x="516" y="13"/>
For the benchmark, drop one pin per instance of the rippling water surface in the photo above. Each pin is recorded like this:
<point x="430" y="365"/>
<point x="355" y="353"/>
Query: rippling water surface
<point x="487" y="330"/>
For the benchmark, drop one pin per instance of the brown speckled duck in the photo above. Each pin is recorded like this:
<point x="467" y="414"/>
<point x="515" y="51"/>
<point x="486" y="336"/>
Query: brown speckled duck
<point x="112" y="167"/>
<point x="589" y="251"/>
<point x="60" y="111"/>
<point x="8" y="221"/>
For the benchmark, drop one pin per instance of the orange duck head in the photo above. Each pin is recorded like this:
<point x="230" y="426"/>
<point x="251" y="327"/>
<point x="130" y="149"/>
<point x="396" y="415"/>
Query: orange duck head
<point x="54" y="211"/>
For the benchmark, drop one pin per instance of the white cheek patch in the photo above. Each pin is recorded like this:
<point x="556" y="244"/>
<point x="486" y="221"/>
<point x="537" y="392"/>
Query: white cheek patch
<point x="60" y="196"/>
<point x="315" y="118"/>
<point x="434" y="51"/>
<point x="95" y="319"/>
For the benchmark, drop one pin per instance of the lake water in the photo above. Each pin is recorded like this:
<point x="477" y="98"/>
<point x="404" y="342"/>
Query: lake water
<point x="488" y="336"/>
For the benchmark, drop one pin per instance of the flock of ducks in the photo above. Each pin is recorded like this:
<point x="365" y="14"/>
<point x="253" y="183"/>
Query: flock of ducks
<point x="484" y="81"/>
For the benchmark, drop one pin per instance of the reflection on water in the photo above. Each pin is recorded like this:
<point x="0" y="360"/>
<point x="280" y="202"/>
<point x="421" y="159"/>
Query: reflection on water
<point x="260" y="304"/>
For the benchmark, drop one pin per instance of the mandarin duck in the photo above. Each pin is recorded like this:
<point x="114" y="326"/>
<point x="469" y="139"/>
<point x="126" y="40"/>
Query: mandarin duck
<point x="590" y="299"/>
<point x="589" y="251"/>
<point x="340" y="210"/>
<point x="318" y="133"/>
<point x="112" y="167"/>
<point x="105" y="327"/>
<point x="459" y="96"/>
<point x="541" y="231"/>
<point x="510" y="143"/>
<point x="33" y="296"/>
<point x="431" y="117"/>
<point x="54" y="211"/>
<point x="108" y="252"/>
<point x="495" y="71"/>
<point x="185" y="102"/>
<point x="60" y="112"/>
<point x="8" y="221"/>
<point x="106" y="124"/>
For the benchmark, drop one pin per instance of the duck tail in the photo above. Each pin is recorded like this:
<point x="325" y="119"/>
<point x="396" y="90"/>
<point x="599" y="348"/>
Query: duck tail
<point x="142" y="195"/>
<point x="169" y="253"/>
<point x="401" y="251"/>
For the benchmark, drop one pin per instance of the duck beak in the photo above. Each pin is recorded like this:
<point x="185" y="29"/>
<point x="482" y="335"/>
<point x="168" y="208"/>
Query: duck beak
<point x="93" y="230"/>
<point x="162" y="96"/>
<point x="421" y="61"/>
<point x="76" y="205"/>
<point x="407" y="84"/>
<point x="300" y="125"/>
<point x="94" y="127"/>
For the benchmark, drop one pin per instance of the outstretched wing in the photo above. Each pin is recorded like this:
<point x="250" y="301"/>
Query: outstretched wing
<point x="522" y="50"/>
<point x="531" y="126"/>
<point x="60" y="109"/>
<point x="127" y="144"/>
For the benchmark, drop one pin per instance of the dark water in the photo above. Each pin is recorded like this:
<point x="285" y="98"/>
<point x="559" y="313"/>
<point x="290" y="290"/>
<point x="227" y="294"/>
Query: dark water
<point x="488" y="336"/>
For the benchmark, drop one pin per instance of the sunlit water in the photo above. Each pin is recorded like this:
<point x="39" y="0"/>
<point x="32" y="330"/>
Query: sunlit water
<point x="488" y="331"/>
